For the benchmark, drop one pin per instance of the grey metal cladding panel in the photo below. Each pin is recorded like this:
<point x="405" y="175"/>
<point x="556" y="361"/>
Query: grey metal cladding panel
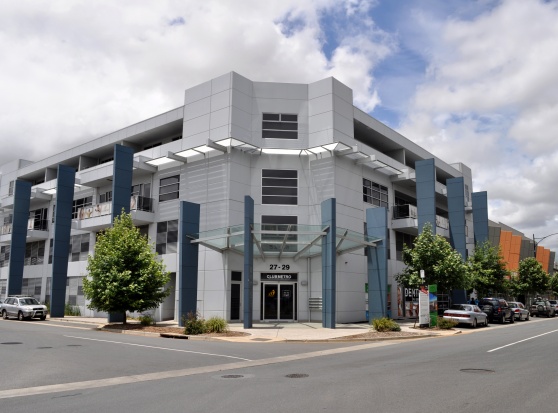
<point x="494" y="235"/>
<point x="242" y="84"/>
<point x="527" y="249"/>
<point x="480" y="216"/>
<point x="280" y="90"/>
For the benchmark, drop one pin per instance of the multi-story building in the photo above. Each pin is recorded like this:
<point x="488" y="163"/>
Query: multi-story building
<point x="266" y="201"/>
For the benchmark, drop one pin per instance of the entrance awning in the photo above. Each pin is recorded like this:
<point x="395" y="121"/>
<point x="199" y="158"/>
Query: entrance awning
<point x="282" y="241"/>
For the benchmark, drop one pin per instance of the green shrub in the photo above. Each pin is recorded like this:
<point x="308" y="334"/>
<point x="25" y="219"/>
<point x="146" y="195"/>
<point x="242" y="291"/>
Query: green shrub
<point x="216" y="325"/>
<point x="385" y="324"/>
<point x="71" y="310"/>
<point x="446" y="323"/>
<point x="194" y="324"/>
<point x="146" y="320"/>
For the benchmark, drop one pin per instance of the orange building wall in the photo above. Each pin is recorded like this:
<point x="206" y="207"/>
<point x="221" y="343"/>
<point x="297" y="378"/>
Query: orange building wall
<point x="546" y="259"/>
<point x="515" y="252"/>
<point x="540" y="255"/>
<point x="505" y="246"/>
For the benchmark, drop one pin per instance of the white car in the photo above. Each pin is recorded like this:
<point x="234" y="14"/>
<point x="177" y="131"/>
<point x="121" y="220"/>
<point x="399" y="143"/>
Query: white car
<point x="23" y="308"/>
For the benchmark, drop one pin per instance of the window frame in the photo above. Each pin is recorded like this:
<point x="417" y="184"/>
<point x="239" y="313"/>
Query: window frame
<point x="271" y="191"/>
<point x="279" y="126"/>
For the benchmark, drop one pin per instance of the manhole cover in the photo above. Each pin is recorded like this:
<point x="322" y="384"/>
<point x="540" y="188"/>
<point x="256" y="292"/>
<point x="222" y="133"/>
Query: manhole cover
<point x="478" y="371"/>
<point x="40" y="348"/>
<point x="232" y="376"/>
<point x="296" y="376"/>
<point x="12" y="342"/>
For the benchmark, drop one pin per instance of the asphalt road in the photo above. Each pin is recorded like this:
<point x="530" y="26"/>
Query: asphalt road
<point x="51" y="368"/>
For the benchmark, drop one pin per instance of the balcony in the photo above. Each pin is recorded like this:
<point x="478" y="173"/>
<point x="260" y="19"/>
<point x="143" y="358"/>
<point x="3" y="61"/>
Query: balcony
<point x="37" y="229"/>
<point x="405" y="219"/>
<point x="98" y="217"/>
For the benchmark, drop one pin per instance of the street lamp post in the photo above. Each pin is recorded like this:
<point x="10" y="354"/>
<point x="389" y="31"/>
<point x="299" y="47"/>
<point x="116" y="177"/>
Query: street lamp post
<point x="537" y="241"/>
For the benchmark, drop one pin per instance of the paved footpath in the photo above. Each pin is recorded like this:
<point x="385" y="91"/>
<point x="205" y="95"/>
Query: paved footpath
<point x="277" y="332"/>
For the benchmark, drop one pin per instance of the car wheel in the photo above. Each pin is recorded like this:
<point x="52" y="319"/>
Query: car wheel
<point x="4" y="315"/>
<point x="43" y="318"/>
<point x="474" y="325"/>
<point x="20" y="316"/>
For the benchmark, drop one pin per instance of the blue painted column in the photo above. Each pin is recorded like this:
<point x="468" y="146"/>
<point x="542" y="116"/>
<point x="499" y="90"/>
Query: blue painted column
<point x="248" y="260"/>
<point x="22" y="199"/>
<point x="188" y="223"/>
<point x="456" y="213"/>
<point x="425" y="173"/>
<point x="61" y="241"/>
<point x="123" y="166"/>
<point x="376" y="226"/>
<point x="329" y="263"/>
<point x="480" y="216"/>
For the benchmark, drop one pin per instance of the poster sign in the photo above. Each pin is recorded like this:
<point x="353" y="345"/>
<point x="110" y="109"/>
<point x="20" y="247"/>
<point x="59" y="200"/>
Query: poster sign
<point x="424" y="306"/>
<point x="433" y="297"/>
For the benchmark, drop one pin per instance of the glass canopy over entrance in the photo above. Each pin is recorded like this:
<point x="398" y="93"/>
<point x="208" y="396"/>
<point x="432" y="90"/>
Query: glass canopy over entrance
<point x="282" y="241"/>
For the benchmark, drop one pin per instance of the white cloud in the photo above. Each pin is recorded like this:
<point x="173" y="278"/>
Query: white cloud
<point x="77" y="70"/>
<point x="490" y="100"/>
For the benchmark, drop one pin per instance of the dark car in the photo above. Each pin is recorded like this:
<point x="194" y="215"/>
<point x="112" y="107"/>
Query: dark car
<point x="542" y="308"/>
<point x="497" y="309"/>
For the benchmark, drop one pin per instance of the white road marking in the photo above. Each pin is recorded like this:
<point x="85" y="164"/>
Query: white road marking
<point x="158" y="348"/>
<point x="521" y="341"/>
<point x="114" y="381"/>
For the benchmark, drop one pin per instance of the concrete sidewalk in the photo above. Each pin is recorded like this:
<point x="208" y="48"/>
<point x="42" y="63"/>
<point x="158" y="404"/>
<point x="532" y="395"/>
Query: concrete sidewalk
<point x="274" y="332"/>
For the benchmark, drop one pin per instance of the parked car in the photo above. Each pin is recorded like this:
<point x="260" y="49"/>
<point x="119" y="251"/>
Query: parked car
<point x="467" y="314"/>
<point x="553" y="303"/>
<point x="519" y="310"/>
<point x="23" y="308"/>
<point x="542" y="308"/>
<point x="497" y="309"/>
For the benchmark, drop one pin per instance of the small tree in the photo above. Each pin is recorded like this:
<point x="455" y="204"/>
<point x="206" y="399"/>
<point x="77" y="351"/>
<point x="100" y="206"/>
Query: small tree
<point x="124" y="272"/>
<point x="441" y="263"/>
<point x="487" y="269"/>
<point x="532" y="276"/>
<point x="553" y="284"/>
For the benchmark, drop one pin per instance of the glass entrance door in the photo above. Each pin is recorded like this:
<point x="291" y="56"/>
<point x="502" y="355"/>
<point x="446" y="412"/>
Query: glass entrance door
<point x="279" y="301"/>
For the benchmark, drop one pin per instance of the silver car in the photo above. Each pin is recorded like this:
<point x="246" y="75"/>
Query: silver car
<point x="467" y="314"/>
<point x="23" y="308"/>
<point x="519" y="310"/>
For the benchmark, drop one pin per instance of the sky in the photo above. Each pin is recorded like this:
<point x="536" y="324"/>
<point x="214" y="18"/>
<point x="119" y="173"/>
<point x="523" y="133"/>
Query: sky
<point x="470" y="81"/>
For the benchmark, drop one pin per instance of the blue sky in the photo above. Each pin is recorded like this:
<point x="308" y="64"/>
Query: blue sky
<point x="472" y="81"/>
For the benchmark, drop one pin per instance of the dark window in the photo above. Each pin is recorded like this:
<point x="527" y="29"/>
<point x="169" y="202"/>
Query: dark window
<point x="374" y="193"/>
<point x="79" y="247"/>
<point x="236" y="276"/>
<point x="167" y="237"/>
<point x="34" y="253"/>
<point x="80" y="203"/>
<point x="5" y="255"/>
<point x="11" y="188"/>
<point x="277" y="242"/>
<point x="279" y="187"/>
<point x="153" y="145"/>
<point x="169" y="188"/>
<point x="280" y="126"/>
<point x="38" y="219"/>
<point x="400" y="240"/>
<point x="106" y="197"/>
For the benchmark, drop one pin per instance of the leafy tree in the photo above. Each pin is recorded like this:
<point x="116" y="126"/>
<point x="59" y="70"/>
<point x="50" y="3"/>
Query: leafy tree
<point x="442" y="265"/>
<point x="124" y="272"/>
<point x="487" y="269"/>
<point x="553" y="284"/>
<point x="532" y="276"/>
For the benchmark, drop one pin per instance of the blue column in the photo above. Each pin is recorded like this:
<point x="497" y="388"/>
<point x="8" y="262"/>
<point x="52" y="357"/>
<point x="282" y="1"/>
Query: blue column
<point x="480" y="216"/>
<point x="329" y="263"/>
<point x="61" y="241"/>
<point x="456" y="213"/>
<point x="425" y="173"/>
<point x="248" y="260"/>
<point x="22" y="199"/>
<point x="123" y="167"/>
<point x="376" y="226"/>
<point x="188" y="223"/>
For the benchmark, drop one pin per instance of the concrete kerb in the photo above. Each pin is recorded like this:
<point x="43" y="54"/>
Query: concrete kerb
<point x="277" y="332"/>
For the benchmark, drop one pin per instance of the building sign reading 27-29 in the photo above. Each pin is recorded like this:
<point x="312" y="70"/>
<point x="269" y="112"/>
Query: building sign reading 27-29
<point x="284" y="267"/>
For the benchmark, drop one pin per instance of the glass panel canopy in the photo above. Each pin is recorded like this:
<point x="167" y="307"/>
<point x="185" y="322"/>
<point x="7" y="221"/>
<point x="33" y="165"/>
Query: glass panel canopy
<point x="289" y="241"/>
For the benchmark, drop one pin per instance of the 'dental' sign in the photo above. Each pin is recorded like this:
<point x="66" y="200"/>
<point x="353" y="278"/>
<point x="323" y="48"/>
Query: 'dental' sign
<point x="278" y="277"/>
